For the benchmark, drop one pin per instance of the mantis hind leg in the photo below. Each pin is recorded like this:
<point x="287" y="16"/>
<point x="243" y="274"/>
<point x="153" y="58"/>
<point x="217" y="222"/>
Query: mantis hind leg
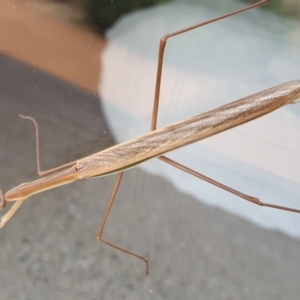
<point x="107" y="211"/>
<point x="37" y="141"/>
<point x="225" y="187"/>
<point x="162" y="46"/>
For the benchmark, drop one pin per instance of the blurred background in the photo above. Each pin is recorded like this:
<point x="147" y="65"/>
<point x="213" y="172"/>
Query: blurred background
<point x="86" y="71"/>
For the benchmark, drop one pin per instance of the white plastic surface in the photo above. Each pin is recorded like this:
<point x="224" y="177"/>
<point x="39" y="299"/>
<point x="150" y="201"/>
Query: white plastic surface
<point x="208" y="67"/>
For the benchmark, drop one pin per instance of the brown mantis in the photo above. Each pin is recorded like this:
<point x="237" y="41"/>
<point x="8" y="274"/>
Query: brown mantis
<point x="158" y="142"/>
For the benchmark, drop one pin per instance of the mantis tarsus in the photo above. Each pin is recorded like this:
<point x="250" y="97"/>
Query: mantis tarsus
<point x="158" y="142"/>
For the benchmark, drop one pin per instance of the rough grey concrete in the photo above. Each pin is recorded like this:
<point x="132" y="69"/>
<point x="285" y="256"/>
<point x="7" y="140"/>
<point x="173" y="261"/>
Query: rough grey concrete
<point x="49" y="250"/>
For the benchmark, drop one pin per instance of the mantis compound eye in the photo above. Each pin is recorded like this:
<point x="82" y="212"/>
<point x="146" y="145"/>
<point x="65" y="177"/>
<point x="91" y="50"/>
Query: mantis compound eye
<point x="2" y="199"/>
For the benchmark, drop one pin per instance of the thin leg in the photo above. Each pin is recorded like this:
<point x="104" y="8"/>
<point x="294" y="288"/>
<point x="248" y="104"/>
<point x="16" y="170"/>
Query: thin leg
<point x="224" y="187"/>
<point x="37" y="140"/>
<point x="99" y="235"/>
<point x="163" y="43"/>
<point x="5" y="218"/>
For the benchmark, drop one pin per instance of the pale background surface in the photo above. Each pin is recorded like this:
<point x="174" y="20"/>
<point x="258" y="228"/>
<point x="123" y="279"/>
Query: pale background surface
<point x="205" y="68"/>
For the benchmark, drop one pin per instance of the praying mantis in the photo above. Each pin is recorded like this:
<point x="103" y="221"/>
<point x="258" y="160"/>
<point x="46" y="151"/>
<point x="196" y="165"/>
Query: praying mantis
<point x="157" y="142"/>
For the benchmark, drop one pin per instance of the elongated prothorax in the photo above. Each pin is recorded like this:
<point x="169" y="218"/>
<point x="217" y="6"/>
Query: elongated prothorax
<point x="26" y="190"/>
